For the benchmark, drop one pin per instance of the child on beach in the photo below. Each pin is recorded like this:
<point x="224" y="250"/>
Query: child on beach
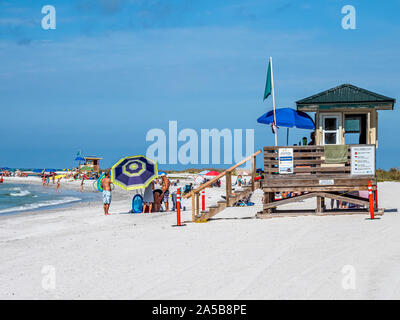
<point x="58" y="184"/>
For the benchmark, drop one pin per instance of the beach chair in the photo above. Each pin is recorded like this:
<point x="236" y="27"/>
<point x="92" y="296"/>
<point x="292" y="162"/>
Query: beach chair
<point x="187" y="188"/>
<point x="244" y="202"/>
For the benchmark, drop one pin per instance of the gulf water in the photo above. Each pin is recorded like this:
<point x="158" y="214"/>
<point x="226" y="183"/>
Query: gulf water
<point x="16" y="198"/>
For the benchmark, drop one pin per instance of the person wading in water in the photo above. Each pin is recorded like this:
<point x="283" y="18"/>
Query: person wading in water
<point x="106" y="185"/>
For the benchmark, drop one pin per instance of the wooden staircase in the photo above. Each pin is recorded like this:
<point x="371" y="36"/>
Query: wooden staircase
<point x="231" y="198"/>
<point x="222" y="204"/>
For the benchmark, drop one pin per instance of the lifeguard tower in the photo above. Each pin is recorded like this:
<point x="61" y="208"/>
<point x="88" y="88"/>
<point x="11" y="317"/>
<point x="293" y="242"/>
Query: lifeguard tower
<point x="342" y="160"/>
<point x="93" y="162"/>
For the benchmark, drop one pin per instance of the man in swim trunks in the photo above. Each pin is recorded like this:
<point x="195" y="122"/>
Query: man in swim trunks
<point x="165" y="189"/>
<point x="106" y="185"/>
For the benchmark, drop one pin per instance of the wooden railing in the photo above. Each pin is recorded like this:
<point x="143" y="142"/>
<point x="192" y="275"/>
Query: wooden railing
<point x="195" y="194"/>
<point x="310" y="172"/>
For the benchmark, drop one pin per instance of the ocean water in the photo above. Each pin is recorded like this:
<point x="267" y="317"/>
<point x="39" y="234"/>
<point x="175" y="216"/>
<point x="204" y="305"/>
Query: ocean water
<point x="16" y="198"/>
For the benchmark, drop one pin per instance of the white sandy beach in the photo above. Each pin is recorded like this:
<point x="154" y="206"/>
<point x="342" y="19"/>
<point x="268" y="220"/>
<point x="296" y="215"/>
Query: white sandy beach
<point x="234" y="256"/>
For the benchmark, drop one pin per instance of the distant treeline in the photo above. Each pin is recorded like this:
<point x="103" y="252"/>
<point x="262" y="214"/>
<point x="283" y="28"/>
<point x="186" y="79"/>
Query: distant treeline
<point x="391" y="175"/>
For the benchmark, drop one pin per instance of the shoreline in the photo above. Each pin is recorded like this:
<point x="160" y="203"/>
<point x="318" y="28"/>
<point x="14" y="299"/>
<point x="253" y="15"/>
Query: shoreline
<point x="68" y="185"/>
<point x="119" y="196"/>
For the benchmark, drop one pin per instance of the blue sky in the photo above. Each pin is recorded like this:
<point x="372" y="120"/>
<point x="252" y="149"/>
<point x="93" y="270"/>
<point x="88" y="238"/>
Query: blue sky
<point x="112" y="70"/>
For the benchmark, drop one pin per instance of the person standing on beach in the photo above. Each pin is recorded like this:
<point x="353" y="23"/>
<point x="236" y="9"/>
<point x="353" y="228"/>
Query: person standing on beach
<point x="82" y="183"/>
<point x="58" y="184"/>
<point x="165" y="189"/>
<point x="148" y="197"/>
<point x="157" y="194"/>
<point x="106" y="185"/>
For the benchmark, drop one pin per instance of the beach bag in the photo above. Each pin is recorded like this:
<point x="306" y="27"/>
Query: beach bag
<point x="137" y="204"/>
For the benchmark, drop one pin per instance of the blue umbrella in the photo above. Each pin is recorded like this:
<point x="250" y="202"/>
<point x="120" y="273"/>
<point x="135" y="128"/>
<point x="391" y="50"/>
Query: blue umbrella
<point x="289" y="118"/>
<point x="162" y="172"/>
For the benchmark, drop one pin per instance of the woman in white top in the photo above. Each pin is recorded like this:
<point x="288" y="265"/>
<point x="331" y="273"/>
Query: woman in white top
<point x="148" y="197"/>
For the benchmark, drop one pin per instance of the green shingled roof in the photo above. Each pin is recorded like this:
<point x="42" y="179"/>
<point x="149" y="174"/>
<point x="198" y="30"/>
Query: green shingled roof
<point x="346" y="94"/>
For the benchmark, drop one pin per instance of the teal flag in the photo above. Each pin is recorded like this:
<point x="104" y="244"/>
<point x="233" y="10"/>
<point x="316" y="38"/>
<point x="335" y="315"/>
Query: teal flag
<point x="78" y="153"/>
<point x="268" y="90"/>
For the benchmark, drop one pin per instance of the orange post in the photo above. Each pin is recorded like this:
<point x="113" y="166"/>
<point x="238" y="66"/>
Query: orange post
<point x="371" y="200"/>
<point x="178" y="207"/>
<point x="203" y="200"/>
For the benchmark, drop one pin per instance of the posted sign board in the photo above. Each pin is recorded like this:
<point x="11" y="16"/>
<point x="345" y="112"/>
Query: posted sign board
<point x="285" y="160"/>
<point x="363" y="160"/>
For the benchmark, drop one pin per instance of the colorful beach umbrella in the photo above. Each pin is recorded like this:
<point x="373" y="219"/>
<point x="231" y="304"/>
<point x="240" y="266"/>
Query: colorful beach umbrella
<point x="134" y="172"/>
<point x="212" y="173"/>
<point x="162" y="172"/>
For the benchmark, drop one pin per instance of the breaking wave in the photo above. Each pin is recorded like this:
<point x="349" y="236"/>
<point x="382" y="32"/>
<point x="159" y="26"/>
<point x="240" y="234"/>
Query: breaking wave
<point x="33" y="206"/>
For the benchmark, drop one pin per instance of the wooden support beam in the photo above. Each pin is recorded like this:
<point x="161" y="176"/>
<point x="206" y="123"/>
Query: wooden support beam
<point x="272" y="204"/>
<point x="268" y="202"/>
<point x="346" y="198"/>
<point x="228" y="183"/>
<point x="320" y="205"/>
<point x="193" y="208"/>
<point x="197" y="204"/>
<point x="306" y="188"/>
<point x="253" y="172"/>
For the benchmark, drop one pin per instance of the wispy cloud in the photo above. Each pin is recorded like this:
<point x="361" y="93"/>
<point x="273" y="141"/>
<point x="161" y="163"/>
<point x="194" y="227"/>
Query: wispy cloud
<point x="13" y="22"/>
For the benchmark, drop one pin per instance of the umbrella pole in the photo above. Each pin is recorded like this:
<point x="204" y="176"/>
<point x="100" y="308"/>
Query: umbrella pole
<point x="273" y="103"/>
<point x="287" y="136"/>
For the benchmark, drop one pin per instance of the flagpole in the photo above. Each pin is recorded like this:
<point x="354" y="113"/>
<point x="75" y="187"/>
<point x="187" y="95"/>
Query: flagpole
<point x="273" y="102"/>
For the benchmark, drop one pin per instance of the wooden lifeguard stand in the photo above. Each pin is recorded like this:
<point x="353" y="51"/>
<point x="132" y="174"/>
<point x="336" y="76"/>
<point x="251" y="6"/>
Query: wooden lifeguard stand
<point x="344" y="115"/>
<point x="93" y="162"/>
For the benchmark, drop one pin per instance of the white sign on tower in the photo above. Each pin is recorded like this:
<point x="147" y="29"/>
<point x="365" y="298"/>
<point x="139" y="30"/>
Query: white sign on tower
<point x="363" y="160"/>
<point x="285" y="160"/>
